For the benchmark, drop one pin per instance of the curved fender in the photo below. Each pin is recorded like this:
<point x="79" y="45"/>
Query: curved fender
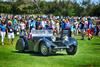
<point x="48" y="44"/>
<point x="20" y="45"/>
<point x="71" y="41"/>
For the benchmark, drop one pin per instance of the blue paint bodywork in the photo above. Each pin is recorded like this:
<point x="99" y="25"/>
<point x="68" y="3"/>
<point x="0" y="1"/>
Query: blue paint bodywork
<point x="53" y="46"/>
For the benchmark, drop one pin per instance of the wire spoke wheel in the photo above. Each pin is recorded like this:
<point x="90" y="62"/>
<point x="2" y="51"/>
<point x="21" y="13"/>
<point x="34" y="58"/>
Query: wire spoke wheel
<point x="44" y="49"/>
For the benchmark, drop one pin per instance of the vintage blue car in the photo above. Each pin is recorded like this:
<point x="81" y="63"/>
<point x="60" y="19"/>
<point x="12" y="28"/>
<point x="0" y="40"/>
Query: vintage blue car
<point x="45" y="43"/>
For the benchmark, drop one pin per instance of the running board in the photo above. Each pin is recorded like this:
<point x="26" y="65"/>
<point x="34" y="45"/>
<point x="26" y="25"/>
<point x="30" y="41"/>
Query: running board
<point x="60" y="47"/>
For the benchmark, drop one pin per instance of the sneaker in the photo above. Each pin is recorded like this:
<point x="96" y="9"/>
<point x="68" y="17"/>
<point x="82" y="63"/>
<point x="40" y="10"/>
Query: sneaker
<point x="82" y="39"/>
<point x="2" y="43"/>
<point x="88" y="38"/>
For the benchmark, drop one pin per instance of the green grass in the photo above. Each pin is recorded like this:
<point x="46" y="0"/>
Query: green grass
<point x="88" y="55"/>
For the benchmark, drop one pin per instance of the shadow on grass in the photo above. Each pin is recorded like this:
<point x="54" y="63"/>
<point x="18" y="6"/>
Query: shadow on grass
<point x="89" y="65"/>
<point x="96" y="43"/>
<point x="38" y="54"/>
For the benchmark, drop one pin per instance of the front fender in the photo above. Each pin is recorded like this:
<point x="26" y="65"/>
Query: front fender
<point x="45" y="40"/>
<point x="71" y="41"/>
<point x="20" y="45"/>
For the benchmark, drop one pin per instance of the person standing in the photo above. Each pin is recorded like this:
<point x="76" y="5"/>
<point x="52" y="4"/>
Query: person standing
<point x="68" y="27"/>
<point x="58" y="26"/>
<point x="22" y="28"/>
<point x="3" y="31"/>
<point x="32" y="25"/>
<point x="53" y="23"/>
<point x="43" y="23"/>
<point x="82" y="29"/>
<point x="38" y="24"/>
<point x="10" y="32"/>
<point x="73" y="29"/>
<point x="76" y="26"/>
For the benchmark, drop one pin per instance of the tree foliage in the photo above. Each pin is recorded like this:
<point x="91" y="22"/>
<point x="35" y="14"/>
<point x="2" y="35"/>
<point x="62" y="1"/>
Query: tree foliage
<point x="61" y="7"/>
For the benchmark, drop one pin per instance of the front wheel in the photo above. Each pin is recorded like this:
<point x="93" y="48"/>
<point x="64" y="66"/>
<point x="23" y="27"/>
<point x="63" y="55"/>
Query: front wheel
<point x="44" y="50"/>
<point x="71" y="50"/>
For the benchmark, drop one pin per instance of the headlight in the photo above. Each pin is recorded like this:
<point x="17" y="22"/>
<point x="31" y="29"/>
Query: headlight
<point x="66" y="38"/>
<point x="53" y="38"/>
<point x="75" y="42"/>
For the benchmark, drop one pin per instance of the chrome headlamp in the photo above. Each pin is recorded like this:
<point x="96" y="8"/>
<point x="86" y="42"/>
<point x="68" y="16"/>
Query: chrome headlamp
<point x="65" y="38"/>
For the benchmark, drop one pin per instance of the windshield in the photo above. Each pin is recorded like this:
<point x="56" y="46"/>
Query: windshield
<point x="38" y="33"/>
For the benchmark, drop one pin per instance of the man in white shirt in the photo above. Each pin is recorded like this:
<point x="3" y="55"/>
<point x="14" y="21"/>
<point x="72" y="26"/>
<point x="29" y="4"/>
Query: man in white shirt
<point x="22" y="28"/>
<point x="43" y="23"/>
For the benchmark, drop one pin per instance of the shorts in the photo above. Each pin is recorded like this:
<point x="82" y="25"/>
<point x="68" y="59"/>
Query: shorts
<point x="10" y="35"/>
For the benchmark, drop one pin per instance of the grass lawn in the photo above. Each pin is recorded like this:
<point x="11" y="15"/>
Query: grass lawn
<point x="88" y="55"/>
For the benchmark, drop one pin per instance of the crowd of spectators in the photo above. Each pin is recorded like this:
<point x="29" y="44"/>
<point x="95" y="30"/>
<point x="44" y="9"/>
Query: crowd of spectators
<point x="12" y="25"/>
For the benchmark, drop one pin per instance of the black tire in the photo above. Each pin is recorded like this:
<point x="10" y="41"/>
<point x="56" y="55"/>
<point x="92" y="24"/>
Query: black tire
<point x="71" y="50"/>
<point x="20" y="45"/>
<point x="44" y="50"/>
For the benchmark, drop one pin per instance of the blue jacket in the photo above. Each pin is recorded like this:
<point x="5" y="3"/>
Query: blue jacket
<point x="32" y="24"/>
<point x="62" y="25"/>
<point x="3" y="28"/>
